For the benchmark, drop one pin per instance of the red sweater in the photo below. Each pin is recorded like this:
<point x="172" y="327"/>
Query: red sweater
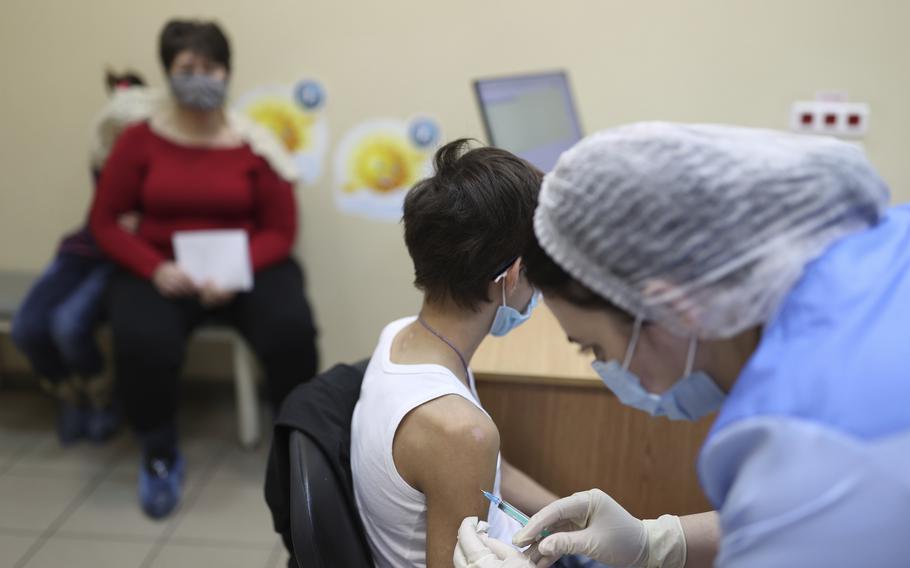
<point x="181" y="188"/>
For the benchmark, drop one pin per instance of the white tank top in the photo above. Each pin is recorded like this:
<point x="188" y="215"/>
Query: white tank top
<point x="394" y="514"/>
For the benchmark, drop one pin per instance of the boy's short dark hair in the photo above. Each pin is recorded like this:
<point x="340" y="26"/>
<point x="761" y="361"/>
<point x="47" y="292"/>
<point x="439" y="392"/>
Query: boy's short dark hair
<point x="204" y="38"/>
<point x="464" y="225"/>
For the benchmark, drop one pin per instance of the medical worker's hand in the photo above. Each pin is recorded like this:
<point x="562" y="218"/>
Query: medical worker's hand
<point x="593" y="524"/>
<point x="475" y="549"/>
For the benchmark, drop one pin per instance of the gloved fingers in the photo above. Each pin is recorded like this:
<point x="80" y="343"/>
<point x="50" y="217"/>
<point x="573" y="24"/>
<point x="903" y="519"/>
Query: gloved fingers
<point x="470" y="543"/>
<point x="574" y="508"/>
<point x="458" y="558"/>
<point x="499" y="548"/>
<point x="562" y="543"/>
<point x="539" y="560"/>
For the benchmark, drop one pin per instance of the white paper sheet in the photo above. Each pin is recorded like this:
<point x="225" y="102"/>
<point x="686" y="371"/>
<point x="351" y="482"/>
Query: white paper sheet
<point x="221" y="257"/>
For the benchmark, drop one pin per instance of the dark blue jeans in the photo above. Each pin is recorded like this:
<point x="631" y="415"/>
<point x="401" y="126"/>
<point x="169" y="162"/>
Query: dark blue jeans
<point x="55" y="325"/>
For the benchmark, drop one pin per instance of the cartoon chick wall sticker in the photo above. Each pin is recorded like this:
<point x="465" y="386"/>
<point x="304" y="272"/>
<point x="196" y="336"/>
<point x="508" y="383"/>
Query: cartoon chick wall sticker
<point x="295" y="114"/>
<point x="378" y="161"/>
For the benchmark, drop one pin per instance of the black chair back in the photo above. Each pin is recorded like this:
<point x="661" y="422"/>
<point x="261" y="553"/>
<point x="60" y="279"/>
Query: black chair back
<point x="325" y="531"/>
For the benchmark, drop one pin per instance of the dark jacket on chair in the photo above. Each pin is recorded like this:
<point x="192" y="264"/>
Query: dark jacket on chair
<point x="322" y="409"/>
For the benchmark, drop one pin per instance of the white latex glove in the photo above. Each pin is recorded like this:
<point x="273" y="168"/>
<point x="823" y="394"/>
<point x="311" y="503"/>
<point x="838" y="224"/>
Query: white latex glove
<point x="598" y="527"/>
<point x="476" y="550"/>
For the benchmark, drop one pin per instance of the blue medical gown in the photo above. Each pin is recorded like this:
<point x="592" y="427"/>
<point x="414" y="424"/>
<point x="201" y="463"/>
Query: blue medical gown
<point x="808" y="462"/>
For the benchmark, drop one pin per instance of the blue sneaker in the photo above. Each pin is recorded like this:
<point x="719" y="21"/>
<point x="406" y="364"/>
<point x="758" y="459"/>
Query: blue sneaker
<point x="71" y="423"/>
<point x="102" y="423"/>
<point x="160" y="485"/>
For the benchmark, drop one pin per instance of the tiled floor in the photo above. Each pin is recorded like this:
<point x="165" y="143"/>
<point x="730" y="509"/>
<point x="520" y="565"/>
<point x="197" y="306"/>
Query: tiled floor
<point x="76" y="507"/>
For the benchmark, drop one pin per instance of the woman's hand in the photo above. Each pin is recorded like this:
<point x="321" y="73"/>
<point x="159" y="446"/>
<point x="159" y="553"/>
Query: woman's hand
<point x="172" y="282"/>
<point x="129" y="222"/>
<point x="212" y="297"/>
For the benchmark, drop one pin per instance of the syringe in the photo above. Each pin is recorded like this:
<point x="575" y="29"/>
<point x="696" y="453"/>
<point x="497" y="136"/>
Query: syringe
<point x="511" y="511"/>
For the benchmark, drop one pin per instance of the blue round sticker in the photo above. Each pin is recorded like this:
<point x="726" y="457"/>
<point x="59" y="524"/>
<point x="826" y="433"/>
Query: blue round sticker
<point x="423" y="132"/>
<point x="309" y="94"/>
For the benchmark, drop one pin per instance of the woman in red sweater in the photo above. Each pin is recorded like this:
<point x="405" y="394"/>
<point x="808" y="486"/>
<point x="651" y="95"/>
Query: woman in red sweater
<point x="195" y="166"/>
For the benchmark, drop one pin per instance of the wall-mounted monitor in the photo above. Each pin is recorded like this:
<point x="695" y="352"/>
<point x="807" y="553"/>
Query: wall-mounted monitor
<point x="532" y="116"/>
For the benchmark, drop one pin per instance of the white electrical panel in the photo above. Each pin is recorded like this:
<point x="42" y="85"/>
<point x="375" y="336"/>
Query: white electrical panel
<point x="833" y="118"/>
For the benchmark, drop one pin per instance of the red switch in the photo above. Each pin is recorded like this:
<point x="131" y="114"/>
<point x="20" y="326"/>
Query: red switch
<point x="830" y="119"/>
<point x="854" y="120"/>
<point x="807" y="119"/>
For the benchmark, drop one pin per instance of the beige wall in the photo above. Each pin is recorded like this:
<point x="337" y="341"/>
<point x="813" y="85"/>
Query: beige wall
<point x="695" y="60"/>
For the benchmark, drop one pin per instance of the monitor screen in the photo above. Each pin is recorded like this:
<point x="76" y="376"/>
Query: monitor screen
<point x="532" y="116"/>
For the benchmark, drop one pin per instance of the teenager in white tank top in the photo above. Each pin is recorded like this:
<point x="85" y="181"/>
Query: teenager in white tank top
<point x="465" y="228"/>
<point x="393" y="512"/>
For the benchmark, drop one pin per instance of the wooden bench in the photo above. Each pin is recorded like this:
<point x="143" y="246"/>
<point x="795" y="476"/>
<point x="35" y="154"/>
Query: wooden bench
<point x="15" y="285"/>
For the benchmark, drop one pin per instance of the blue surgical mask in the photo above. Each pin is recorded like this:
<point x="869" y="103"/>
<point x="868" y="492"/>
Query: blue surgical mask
<point x="693" y="396"/>
<point x="508" y="318"/>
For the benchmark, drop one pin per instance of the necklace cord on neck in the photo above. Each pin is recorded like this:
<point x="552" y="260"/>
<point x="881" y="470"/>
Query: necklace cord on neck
<point x="439" y="336"/>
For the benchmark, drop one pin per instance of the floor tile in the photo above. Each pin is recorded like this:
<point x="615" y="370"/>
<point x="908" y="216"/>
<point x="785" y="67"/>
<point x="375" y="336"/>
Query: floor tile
<point x="13" y="444"/>
<point x="26" y="409"/>
<point x="12" y="547"/>
<point x="112" y="509"/>
<point x="228" y="512"/>
<point x="83" y="460"/>
<point x="226" y="521"/>
<point x="193" y="556"/>
<point x="33" y="503"/>
<point x="66" y="552"/>
<point x="243" y="465"/>
<point x="25" y="416"/>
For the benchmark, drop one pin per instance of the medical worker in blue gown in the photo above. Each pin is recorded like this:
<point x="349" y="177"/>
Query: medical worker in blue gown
<point x="754" y="273"/>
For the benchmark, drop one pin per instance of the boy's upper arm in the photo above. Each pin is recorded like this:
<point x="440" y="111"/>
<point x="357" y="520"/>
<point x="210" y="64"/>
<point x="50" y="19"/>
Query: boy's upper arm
<point x="447" y="449"/>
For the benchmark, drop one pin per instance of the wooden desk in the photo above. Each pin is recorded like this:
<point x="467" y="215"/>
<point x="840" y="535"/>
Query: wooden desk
<point x="537" y="352"/>
<point x="560" y="424"/>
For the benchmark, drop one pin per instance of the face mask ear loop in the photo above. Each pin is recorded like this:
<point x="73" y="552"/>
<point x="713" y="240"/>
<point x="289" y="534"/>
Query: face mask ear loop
<point x="502" y="278"/>
<point x="630" y="350"/>
<point x="690" y="356"/>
